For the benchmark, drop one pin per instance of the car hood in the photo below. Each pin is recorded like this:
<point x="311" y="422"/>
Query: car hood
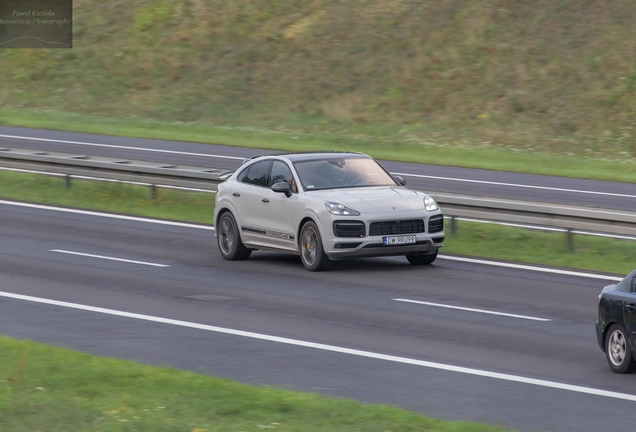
<point x="374" y="199"/>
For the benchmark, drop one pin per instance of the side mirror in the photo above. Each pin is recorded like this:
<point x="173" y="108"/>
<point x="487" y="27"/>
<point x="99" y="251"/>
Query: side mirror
<point x="282" y="187"/>
<point x="400" y="180"/>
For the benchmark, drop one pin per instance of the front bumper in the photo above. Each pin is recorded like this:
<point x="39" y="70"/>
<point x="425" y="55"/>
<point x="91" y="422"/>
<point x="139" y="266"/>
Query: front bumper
<point x="376" y="248"/>
<point x="348" y="244"/>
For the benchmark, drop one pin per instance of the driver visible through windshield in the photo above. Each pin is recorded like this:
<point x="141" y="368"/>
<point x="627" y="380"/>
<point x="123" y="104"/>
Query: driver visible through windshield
<point x="336" y="173"/>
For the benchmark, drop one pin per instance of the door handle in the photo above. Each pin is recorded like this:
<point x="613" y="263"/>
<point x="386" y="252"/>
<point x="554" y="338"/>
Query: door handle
<point x="630" y="307"/>
<point x="265" y="200"/>
<point x="236" y="194"/>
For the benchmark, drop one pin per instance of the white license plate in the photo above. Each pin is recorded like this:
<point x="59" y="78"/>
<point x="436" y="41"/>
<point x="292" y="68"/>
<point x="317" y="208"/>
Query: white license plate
<point x="398" y="240"/>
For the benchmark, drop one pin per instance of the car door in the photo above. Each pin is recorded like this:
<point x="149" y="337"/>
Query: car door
<point x="279" y="210"/>
<point x="629" y="313"/>
<point x="247" y="197"/>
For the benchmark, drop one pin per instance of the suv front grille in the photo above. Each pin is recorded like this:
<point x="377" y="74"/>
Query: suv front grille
<point x="396" y="227"/>
<point x="436" y="223"/>
<point x="349" y="228"/>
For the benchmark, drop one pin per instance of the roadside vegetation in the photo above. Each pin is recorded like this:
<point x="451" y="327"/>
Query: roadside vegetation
<point x="471" y="239"/>
<point x="44" y="388"/>
<point x="544" y="86"/>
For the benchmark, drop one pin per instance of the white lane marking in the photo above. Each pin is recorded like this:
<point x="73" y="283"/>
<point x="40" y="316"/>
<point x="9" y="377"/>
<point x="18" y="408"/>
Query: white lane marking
<point x="517" y="185"/>
<point x="473" y="310"/>
<point x="531" y="268"/>
<point x="106" y="215"/>
<point x="121" y="147"/>
<point x="211" y="228"/>
<point x="332" y="348"/>
<point x="108" y="258"/>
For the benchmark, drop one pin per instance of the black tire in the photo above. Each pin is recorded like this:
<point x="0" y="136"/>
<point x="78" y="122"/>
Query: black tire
<point x="229" y="239"/>
<point x="312" y="253"/>
<point x="422" y="259"/>
<point x="618" y="351"/>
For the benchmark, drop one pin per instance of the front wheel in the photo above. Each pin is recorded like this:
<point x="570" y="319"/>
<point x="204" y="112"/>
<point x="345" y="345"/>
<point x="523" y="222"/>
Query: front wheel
<point x="312" y="253"/>
<point x="422" y="259"/>
<point x="617" y="351"/>
<point x="229" y="239"/>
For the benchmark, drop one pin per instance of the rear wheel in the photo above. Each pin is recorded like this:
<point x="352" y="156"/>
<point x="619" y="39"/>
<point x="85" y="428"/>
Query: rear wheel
<point x="312" y="253"/>
<point x="229" y="239"/>
<point x="617" y="350"/>
<point x="422" y="259"/>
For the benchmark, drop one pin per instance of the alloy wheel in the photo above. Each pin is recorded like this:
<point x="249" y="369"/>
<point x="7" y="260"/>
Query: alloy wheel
<point x="309" y="246"/>
<point x="617" y="347"/>
<point x="226" y="232"/>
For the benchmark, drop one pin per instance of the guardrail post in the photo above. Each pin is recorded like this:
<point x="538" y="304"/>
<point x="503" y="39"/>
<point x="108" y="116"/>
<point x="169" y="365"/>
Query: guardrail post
<point x="453" y="225"/>
<point x="153" y="191"/>
<point x="67" y="182"/>
<point x="570" y="240"/>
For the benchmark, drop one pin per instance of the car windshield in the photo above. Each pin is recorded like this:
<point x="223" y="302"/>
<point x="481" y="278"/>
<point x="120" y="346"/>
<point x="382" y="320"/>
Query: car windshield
<point x="334" y="173"/>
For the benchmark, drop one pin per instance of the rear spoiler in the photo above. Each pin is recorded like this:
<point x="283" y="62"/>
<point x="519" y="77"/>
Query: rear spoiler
<point x="226" y="175"/>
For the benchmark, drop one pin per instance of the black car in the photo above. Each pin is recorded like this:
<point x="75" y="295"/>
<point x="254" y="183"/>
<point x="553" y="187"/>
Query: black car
<point x="616" y="324"/>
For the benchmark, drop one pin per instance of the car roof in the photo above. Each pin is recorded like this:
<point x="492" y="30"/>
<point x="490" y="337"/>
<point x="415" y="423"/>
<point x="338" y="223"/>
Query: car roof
<point x="312" y="155"/>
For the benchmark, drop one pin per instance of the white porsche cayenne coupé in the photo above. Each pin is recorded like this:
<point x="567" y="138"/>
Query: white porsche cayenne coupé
<point x="324" y="206"/>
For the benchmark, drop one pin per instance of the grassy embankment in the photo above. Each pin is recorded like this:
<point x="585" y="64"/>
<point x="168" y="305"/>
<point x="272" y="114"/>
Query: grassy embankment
<point x="543" y="87"/>
<point x="43" y="388"/>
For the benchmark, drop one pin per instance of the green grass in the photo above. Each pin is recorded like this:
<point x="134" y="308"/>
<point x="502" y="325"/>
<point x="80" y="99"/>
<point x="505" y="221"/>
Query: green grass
<point x="43" y="388"/>
<point x="108" y="196"/>
<point x="499" y="242"/>
<point x="472" y="239"/>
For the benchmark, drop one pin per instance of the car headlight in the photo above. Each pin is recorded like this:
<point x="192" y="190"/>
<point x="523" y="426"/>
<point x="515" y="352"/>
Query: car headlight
<point x="340" y="209"/>
<point x="430" y="204"/>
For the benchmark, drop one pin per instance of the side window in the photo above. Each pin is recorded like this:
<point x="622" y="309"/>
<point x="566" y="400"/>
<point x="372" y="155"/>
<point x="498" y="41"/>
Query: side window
<point x="281" y="172"/>
<point x="241" y="176"/>
<point x="257" y="174"/>
<point x="633" y="284"/>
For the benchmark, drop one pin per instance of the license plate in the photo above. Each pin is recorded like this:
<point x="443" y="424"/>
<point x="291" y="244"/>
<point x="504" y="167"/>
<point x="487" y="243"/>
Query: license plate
<point x="398" y="240"/>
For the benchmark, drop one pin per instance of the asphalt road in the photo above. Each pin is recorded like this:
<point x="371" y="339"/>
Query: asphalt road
<point x="432" y="178"/>
<point x="371" y="347"/>
<point x="266" y="321"/>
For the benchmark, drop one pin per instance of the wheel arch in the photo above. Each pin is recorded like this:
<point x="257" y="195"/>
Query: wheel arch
<point x="225" y="207"/>
<point x="228" y="209"/>
<point x="303" y="221"/>
<point x="221" y="213"/>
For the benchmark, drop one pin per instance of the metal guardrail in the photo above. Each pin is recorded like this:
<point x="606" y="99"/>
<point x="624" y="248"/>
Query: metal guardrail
<point x="129" y="170"/>
<point x="540" y="214"/>
<point x="455" y="206"/>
